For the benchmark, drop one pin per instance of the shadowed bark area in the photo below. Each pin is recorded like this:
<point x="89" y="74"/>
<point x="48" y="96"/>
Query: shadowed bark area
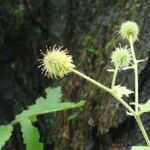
<point x="89" y="30"/>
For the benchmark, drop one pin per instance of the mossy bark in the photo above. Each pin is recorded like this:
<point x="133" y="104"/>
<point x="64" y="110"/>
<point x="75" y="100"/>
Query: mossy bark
<point x="89" y="30"/>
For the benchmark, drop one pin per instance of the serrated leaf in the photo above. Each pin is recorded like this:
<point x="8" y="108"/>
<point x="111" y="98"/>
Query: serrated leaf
<point x="52" y="94"/>
<point x="122" y="91"/>
<point x="30" y="135"/>
<point x="145" y="107"/>
<point x="140" y="148"/>
<point x="50" y="104"/>
<point x="5" y="133"/>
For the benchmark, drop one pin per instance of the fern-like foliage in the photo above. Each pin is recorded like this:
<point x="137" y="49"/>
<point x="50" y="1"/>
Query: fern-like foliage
<point x="5" y="134"/>
<point x="50" y="104"/>
<point x="30" y="135"/>
<point x="42" y="105"/>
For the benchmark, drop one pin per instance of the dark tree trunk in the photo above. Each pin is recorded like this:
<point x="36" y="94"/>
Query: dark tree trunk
<point x="88" y="28"/>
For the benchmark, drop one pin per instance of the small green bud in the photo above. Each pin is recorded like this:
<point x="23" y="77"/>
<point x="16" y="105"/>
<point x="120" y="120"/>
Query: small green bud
<point x="128" y="29"/>
<point x="121" y="57"/>
<point x="56" y="62"/>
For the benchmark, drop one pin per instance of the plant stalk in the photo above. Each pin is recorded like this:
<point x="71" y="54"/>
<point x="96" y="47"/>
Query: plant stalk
<point x="114" y="77"/>
<point x="135" y="67"/>
<point x="106" y="89"/>
<point x="140" y="124"/>
<point x="137" y="117"/>
<point x="128" y="107"/>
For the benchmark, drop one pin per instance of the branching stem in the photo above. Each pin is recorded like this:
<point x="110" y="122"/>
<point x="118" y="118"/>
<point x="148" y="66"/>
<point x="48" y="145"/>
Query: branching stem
<point x="137" y="117"/>
<point x="140" y="124"/>
<point x="106" y="89"/>
<point x="135" y="67"/>
<point x="114" y="77"/>
<point x="126" y="105"/>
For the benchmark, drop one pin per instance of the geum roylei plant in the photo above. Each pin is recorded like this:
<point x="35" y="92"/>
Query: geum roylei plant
<point x="56" y="63"/>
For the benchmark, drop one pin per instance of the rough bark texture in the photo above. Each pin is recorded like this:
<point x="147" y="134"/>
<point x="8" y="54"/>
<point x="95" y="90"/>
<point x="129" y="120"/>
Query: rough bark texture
<point x="88" y="28"/>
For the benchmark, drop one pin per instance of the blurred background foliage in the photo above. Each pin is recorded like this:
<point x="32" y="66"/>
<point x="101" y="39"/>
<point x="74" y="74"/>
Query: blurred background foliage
<point x="88" y="28"/>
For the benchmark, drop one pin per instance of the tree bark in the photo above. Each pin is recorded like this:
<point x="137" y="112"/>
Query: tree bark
<point x="89" y="30"/>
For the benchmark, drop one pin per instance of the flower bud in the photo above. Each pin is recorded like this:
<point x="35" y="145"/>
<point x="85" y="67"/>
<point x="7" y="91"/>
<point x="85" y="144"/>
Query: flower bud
<point x="129" y="29"/>
<point x="56" y="62"/>
<point x="121" y="57"/>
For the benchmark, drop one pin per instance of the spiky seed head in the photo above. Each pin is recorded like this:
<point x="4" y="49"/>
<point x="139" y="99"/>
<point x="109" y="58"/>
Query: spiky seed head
<point x="128" y="29"/>
<point x="121" y="57"/>
<point x="56" y="62"/>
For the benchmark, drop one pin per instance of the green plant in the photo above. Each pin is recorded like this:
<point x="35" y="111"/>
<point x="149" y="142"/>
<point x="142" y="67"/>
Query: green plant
<point x="30" y="133"/>
<point x="123" y="58"/>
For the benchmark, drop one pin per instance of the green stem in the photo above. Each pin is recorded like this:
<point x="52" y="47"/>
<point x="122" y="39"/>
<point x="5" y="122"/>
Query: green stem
<point x="106" y="89"/>
<point x="136" y="115"/>
<point x="114" y="77"/>
<point x="135" y="67"/>
<point x="123" y="103"/>
<point x="92" y="80"/>
<point x="140" y="124"/>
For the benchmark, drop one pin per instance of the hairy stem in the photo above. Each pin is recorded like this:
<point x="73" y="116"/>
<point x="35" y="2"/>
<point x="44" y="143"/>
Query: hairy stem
<point x="92" y="80"/>
<point x="137" y="117"/>
<point x="140" y="124"/>
<point x="135" y="67"/>
<point x="114" y="77"/>
<point x="106" y="89"/>
<point x="128" y="107"/>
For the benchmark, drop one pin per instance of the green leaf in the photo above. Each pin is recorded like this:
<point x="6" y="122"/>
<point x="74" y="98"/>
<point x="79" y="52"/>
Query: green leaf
<point x="5" y="133"/>
<point x="50" y="104"/>
<point x="33" y="118"/>
<point x="140" y="148"/>
<point x="52" y="95"/>
<point x="30" y="135"/>
<point x="145" y="107"/>
<point x="122" y="91"/>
